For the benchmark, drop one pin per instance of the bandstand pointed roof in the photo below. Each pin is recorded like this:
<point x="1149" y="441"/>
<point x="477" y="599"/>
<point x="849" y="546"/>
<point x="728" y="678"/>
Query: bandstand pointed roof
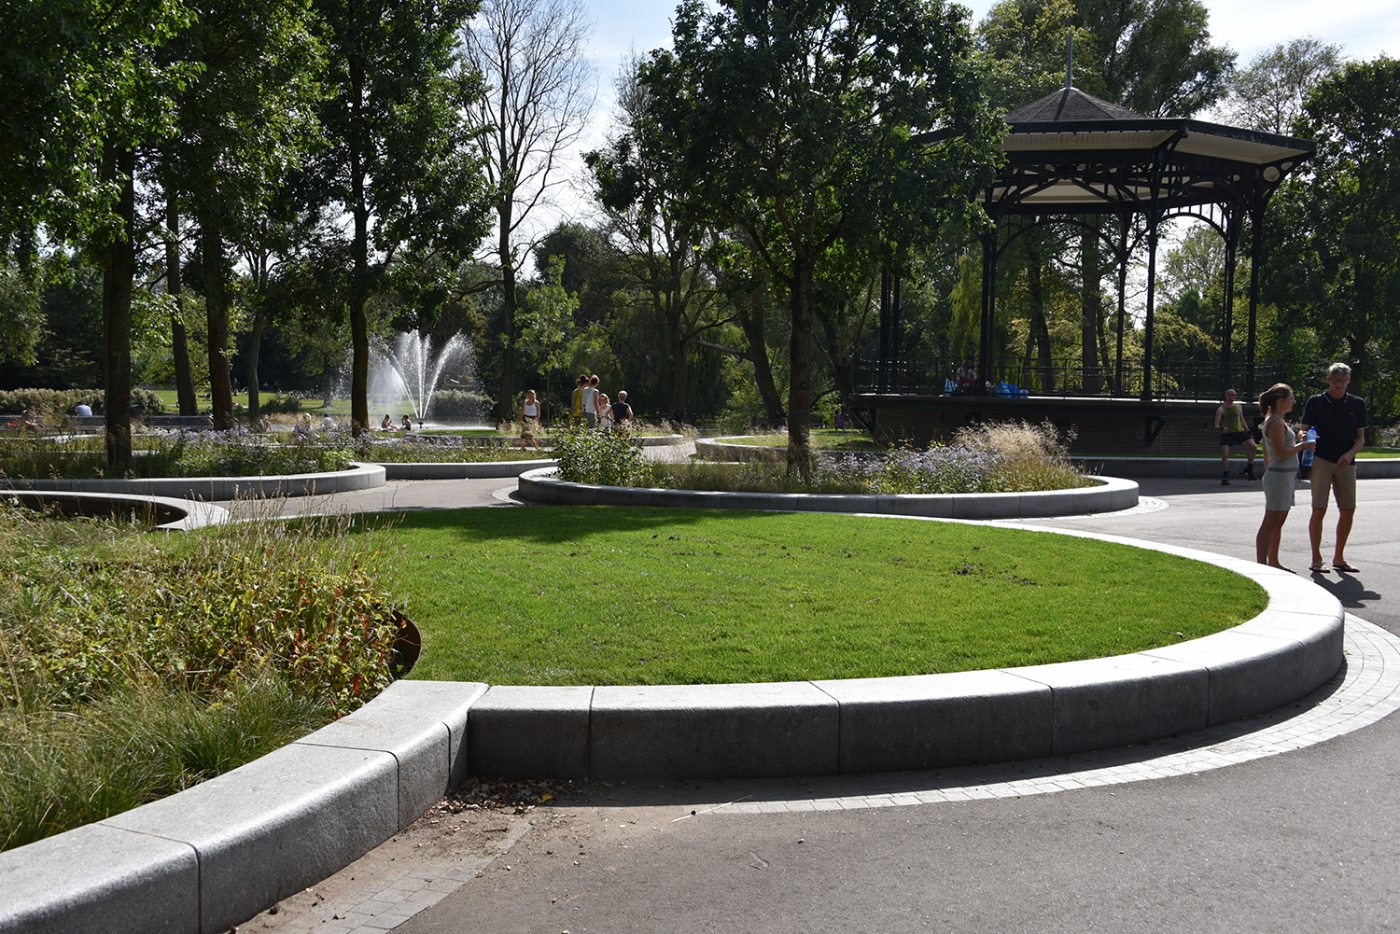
<point x="1073" y="153"/>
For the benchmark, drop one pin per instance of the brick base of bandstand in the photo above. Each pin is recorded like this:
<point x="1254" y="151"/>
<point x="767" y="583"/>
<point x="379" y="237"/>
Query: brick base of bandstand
<point x="1100" y="425"/>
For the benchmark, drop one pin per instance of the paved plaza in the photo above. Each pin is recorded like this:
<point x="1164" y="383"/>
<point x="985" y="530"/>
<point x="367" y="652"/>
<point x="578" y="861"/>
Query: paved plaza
<point x="1286" y="822"/>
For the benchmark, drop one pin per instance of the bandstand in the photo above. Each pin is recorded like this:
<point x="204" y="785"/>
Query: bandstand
<point x="1117" y="176"/>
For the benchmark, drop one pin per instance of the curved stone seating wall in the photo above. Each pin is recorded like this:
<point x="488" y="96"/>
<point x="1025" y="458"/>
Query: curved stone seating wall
<point x="358" y="477"/>
<point x="171" y="514"/>
<point x="448" y="471"/>
<point x="1208" y="468"/>
<point x="1109" y="495"/>
<point x="722" y="449"/>
<point x="212" y="856"/>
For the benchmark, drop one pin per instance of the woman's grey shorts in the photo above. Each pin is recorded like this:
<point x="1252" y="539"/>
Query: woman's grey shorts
<point x="1278" y="488"/>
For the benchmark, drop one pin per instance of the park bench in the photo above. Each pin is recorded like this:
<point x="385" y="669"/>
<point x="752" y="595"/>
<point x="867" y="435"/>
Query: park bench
<point x="84" y="423"/>
<point x="6" y="421"/>
<point x="182" y="422"/>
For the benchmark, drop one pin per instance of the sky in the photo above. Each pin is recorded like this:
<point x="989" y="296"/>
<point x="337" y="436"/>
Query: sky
<point x="1363" y="28"/>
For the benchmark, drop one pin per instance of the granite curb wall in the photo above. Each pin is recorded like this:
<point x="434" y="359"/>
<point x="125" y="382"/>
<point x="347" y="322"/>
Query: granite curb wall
<point x="179" y="515"/>
<point x="1208" y="468"/>
<point x="210" y="857"/>
<point x="477" y="471"/>
<point x="358" y="477"/>
<point x="1109" y="494"/>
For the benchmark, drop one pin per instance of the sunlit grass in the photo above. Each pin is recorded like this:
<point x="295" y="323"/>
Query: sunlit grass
<point x="611" y="595"/>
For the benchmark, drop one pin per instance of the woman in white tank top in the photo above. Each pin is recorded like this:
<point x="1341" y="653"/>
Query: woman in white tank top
<point x="529" y="419"/>
<point x="1281" y="447"/>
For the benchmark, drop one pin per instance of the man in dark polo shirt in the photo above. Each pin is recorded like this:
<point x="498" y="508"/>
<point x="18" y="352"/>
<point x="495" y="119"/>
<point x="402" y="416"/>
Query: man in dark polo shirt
<point x="1340" y="420"/>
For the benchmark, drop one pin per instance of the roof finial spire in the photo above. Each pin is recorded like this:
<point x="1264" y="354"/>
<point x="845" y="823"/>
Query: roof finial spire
<point x="1069" y="66"/>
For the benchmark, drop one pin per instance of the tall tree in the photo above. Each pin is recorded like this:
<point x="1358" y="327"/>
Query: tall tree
<point x="397" y="160"/>
<point x="795" y="123"/>
<point x="531" y="55"/>
<point x="245" y="123"/>
<point x="1154" y="56"/>
<point x="637" y="184"/>
<point x="84" y="87"/>
<point x="1338" y="267"/>
<point x="1268" y="95"/>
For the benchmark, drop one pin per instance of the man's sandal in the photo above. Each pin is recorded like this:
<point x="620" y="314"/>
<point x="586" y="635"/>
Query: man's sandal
<point x="1343" y="566"/>
<point x="1319" y="568"/>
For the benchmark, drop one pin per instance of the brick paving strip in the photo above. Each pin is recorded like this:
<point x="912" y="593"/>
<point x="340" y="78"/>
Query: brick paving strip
<point x="1365" y="691"/>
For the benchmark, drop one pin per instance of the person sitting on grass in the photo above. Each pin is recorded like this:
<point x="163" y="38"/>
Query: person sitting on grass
<point x="303" y="430"/>
<point x="387" y="424"/>
<point x="29" y="421"/>
<point x="407" y="422"/>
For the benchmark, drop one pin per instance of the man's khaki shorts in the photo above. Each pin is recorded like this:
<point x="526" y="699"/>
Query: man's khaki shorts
<point x="1325" y="477"/>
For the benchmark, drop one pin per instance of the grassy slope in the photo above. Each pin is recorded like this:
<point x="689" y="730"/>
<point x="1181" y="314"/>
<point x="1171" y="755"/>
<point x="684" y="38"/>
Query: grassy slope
<point x="611" y="595"/>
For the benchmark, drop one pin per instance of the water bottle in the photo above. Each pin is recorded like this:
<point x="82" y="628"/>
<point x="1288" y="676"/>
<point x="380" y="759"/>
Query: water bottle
<point x="1308" y="455"/>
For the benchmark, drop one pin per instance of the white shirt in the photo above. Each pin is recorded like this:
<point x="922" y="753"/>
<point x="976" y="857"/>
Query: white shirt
<point x="590" y="399"/>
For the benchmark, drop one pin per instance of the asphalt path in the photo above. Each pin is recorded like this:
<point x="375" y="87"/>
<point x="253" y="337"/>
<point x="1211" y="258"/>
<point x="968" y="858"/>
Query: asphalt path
<point x="1307" y="840"/>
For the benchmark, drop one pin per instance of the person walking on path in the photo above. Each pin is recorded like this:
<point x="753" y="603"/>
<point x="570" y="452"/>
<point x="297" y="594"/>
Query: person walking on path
<point x="1229" y="421"/>
<point x="590" y="401"/>
<point x="529" y="419"/>
<point x="1340" y="420"/>
<point x="1281" y="447"/>
<point x="622" y="412"/>
<point x="576" y="411"/>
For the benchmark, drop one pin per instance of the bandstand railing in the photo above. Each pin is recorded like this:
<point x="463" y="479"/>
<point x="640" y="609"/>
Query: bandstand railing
<point x="1197" y="380"/>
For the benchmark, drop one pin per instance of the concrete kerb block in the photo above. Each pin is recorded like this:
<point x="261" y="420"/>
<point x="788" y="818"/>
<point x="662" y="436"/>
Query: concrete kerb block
<point x="769" y="502"/>
<point x="421" y="727"/>
<point x="927" y="506"/>
<point x="939" y="721"/>
<point x="713" y="730"/>
<point x="1049" y="503"/>
<point x="1248" y="673"/>
<point x="1319" y="639"/>
<point x="987" y="506"/>
<point x="274" y="826"/>
<point x="1105" y="702"/>
<point x="450" y="702"/>
<point x="98" y="878"/>
<point x="834" y="502"/>
<point x="530" y="732"/>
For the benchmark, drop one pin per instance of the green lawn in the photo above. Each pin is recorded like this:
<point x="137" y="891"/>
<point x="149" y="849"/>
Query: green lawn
<point x="611" y="595"/>
<point x="824" y="439"/>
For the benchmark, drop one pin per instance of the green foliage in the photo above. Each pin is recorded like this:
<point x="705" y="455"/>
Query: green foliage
<point x="289" y="404"/>
<point x="460" y="403"/>
<point x="59" y="770"/>
<point x="606" y="458"/>
<point x="1336" y="270"/>
<point x="182" y="454"/>
<point x="92" y="608"/>
<point x="53" y="404"/>
<point x="797" y="125"/>
<point x="21" y="317"/>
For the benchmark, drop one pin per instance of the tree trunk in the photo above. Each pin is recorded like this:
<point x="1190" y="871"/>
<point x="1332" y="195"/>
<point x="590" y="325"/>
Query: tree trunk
<point x="679" y="384"/>
<point x="254" y="347"/>
<point x="843" y="369"/>
<point x="799" y="450"/>
<point x="174" y="286"/>
<point x="120" y="262"/>
<point x="748" y="310"/>
<point x="505" y="405"/>
<point x="1091" y="269"/>
<point x="216" y="313"/>
<point x="1039" y="335"/>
